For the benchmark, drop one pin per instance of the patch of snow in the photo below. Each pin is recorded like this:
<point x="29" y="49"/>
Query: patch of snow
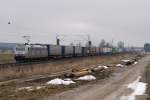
<point x="40" y="87"/>
<point x="30" y="88"/>
<point x="67" y="79"/>
<point x="127" y="98"/>
<point x="25" y="88"/>
<point x="100" y="66"/>
<point x="68" y="82"/>
<point x="135" y="63"/>
<point x="119" y="65"/>
<point x="138" y="87"/>
<point x="87" y="77"/>
<point x="105" y="67"/>
<point x="58" y="81"/>
<point x="125" y="60"/>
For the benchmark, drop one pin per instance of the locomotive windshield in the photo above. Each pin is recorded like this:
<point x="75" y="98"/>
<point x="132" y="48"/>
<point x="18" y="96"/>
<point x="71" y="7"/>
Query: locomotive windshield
<point x="20" y="49"/>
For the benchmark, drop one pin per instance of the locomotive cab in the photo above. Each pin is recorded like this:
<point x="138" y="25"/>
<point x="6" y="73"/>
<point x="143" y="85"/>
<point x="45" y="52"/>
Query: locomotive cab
<point x="29" y="52"/>
<point x="20" y="52"/>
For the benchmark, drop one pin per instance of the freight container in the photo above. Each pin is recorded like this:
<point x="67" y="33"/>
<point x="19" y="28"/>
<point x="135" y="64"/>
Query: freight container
<point x="92" y="51"/>
<point x="101" y="51"/>
<point x="67" y="51"/>
<point x="55" y="50"/>
<point x="97" y="51"/>
<point x="35" y="51"/>
<point x="77" y="50"/>
<point x="85" y="51"/>
<point x="107" y="50"/>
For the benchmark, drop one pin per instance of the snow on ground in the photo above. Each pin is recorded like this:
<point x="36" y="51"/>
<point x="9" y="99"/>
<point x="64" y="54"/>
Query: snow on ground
<point x="87" y="77"/>
<point x="138" y="87"/>
<point x="67" y="79"/>
<point x="135" y="63"/>
<point x="125" y="60"/>
<point x="40" y="87"/>
<point x="105" y="67"/>
<point x="128" y="98"/>
<point x="25" y="88"/>
<point x="58" y="81"/>
<point x="30" y="88"/>
<point x="119" y="65"/>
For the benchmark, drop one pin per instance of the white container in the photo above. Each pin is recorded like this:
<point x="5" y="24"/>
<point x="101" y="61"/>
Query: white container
<point x="55" y="50"/>
<point x="68" y="50"/>
<point x="78" y="50"/>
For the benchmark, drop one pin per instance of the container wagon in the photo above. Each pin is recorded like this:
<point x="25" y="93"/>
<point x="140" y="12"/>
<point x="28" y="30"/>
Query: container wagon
<point x="67" y="51"/>
<point x="77" y="51"/>
<point x="54" y="51"/>
<point x="23" y="52"/>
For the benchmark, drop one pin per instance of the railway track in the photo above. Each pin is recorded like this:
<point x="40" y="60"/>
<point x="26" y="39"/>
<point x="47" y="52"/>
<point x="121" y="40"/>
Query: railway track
<point x="15" y="64"/>
<point x="35" y="78"/>
<point x="52" y="60"/>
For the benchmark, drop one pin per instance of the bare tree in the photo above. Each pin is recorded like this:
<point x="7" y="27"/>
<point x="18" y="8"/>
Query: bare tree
<point x="121" y="44"/>
<point x="88" y="43"/>
<point x="102" y="43"/>
<point x="107" y="44"/>
<point x="71" y="44"/>
<point x="79" y="44"/>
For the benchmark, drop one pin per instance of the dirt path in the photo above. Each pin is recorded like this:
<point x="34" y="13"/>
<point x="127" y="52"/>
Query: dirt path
<point x="109" y="89"/>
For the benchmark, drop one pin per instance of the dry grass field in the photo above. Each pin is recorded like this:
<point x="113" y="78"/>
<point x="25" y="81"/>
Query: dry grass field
<point x="24" y="72"/>
<point x="5" y="58"/>
<point x="13" y="78"/>
<point x="59" y="65"/>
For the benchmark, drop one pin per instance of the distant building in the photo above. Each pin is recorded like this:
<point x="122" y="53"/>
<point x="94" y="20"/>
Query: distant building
<point x="138" y="49"/>
<point x="147" y="47"/>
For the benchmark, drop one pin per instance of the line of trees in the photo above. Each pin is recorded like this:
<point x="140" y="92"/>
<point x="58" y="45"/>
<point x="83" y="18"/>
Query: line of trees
<point x="147" y="47"/>
<point x="103" y="43"/>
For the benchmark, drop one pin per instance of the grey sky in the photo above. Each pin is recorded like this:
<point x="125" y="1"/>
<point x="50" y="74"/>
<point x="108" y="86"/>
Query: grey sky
<point x="126" y="20"/>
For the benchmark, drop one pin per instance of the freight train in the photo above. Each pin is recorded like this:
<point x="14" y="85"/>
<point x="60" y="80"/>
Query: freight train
<point x="34" y="51"/>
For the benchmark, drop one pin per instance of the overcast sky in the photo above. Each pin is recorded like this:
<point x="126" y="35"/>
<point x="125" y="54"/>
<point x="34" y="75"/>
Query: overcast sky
<point x="126" y="20"/>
